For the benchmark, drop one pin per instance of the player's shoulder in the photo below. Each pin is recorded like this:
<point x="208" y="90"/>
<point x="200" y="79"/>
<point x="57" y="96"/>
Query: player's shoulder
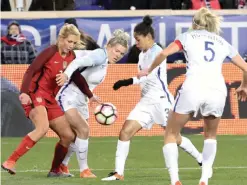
<point x="156" y="48"/>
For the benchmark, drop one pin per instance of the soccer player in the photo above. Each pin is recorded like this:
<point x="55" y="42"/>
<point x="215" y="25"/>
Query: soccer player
<point x="154" y="104"/>
<point x="203" y="90"/>
<point x="93" y="66"/>
<point x="38" y="92"/>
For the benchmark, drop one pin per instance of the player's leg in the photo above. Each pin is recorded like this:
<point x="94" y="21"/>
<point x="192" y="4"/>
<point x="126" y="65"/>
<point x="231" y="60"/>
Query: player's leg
<point x="81" y="127"/>
<point x="38" y="115"/>
<point x="209" y="148"/>
<point x="211" y="111"/>
<point x="160" y="117"/>
<point x="61" y="127"/>
<point x="138" y="118"/>
<point x="128" y="130"/>
<point x="170" y="150"/>
<point x="185" y="144"/>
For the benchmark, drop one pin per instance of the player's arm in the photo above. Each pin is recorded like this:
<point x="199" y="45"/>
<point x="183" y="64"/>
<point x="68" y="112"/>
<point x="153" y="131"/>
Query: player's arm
<point x="239" y="62"/>
<point x="81" y="83"/>
<point x="36" y="66"/>
<point x="174" y="47"/>
<point x="126" y="82"/>
<point x="96" y="57"/>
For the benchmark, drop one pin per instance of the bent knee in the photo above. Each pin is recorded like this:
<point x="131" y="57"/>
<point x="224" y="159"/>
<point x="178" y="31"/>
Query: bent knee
<point x="125" y="134"/>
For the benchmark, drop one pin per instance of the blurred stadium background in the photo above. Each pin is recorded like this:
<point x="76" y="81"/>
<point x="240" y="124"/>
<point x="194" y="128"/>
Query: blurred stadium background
<point x="40" y="21"/>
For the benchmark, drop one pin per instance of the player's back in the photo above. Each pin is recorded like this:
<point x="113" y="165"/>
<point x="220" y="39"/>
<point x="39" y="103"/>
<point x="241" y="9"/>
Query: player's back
<point x="205" y="53"/>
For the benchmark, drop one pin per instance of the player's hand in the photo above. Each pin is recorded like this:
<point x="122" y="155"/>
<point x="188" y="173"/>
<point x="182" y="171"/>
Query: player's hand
<point x="94" y="99"/>
<point x="242" y="93"/>
<point x="143" y="72"/>
<point x="25" y="99"/>
<point x="61" y="79"/>
<point x="126" y="82"/>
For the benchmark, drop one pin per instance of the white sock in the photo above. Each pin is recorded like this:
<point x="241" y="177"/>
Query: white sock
<point x="170" y="152"/>
<point x="121" y="156"/>
<point x="81" y="152"/>
<point x="208" y="156"/>
<point x="188" y="147"/>
<point x="71" y="150"/>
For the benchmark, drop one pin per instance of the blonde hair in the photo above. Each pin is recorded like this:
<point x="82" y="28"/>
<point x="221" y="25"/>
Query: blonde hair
<point x="205" y="19"/>
<point x="70" y="29"/>
<point x="119" y="37"/>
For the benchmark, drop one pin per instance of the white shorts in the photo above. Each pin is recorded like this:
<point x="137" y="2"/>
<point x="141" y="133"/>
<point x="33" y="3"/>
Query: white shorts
<point x="208" y="103"/>
<point x="69" y="99"/>
<point x="147" y="114"/>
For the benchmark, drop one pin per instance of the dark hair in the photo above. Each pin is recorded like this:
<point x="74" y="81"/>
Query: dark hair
<point x="14" y="23"/>
<point x="71" y="21"/>
<point x="145" y="27"/>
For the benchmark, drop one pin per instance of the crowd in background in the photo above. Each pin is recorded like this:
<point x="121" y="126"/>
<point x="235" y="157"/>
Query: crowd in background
<point x="16" y="49"/>
<point x="49" y="5"/>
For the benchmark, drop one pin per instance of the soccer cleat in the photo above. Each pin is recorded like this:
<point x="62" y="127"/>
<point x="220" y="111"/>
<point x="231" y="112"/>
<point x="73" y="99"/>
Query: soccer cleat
<point x="58" y="174"/>
<point x="113" y="176"/>
<point x="202" y="183"/>
<point x="178" y="183"/>
<point x="64" y="169"/>
<point x="87" y="174"/>
<point x="9" y="166"/>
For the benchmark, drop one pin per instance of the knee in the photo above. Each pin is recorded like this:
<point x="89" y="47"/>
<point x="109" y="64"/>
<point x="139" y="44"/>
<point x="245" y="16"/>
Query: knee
<point x="125" y="134"/>
<point x="67" y="137"/>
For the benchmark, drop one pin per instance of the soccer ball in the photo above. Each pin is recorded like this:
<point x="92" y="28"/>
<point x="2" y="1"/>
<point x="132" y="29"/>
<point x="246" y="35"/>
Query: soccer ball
<point x="105" y="114"/>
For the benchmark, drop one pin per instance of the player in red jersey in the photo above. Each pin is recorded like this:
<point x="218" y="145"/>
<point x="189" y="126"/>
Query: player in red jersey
<point x="38" y="92"/>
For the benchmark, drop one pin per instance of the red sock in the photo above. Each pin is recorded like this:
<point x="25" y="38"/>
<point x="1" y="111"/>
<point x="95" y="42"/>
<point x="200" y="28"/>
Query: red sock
<point x="59" y="155"/>
<point x="26" y="144"/>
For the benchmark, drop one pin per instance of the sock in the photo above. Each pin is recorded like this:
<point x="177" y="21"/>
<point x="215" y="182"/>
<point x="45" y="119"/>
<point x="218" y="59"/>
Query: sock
<point x="59" y="154"/>
<point x="81" y="152"/>
<point x="188" y="147"/>
<point x="26" y="144"/>
<point x="71" y="150"/>
<point x="170" y="152"/>
<point x="121" y="156"/>
<point x="208" y="156"/>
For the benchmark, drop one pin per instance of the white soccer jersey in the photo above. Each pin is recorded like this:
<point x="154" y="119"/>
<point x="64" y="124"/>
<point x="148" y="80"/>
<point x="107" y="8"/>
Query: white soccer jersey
<point x="70" y="95"/>
<point x="155" y="84"/>
<point x="204" y="88"/>
<point x="205" y="52"/>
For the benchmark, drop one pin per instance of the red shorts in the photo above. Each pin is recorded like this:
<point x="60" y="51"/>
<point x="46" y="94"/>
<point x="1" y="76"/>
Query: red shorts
<point x="52" y="108"/>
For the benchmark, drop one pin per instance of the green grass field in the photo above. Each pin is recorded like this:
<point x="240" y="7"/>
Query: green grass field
<point x="145" y="164"/>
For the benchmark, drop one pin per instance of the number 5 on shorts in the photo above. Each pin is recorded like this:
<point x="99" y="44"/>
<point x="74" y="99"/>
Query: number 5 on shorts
<point x="208" y="48"/>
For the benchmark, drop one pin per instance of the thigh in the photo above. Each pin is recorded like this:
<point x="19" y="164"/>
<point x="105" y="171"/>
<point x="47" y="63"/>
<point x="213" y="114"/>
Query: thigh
<point x="62" y="128"/>
<point x="175" y="123"/>
<point x="142" y="115"/>
<point x="75" y="119"/>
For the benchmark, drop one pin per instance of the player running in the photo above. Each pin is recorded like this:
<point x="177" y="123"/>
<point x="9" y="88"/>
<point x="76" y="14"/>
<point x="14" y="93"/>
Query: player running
<point x="93" y="67"/>
<point x="154" y="104"/>
<point x="203" y="90"/>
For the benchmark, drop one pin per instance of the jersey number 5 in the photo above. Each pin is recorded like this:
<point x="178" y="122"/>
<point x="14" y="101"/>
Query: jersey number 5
<point x="208" y="48"/>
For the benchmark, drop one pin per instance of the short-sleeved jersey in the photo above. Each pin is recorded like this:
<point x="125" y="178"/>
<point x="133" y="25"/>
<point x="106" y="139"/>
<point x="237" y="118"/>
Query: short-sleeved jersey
<point x="45" y="80"/>
<point x="155" y="85"/>
<point x="205" y="53"/>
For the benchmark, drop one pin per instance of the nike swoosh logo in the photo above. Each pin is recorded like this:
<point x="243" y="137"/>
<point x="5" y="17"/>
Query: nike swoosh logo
<point x="56" y="62"/>
<point x="27" y="147"/>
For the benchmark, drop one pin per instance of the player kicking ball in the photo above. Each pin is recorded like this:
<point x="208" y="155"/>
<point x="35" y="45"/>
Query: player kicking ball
<point x="155" y="102"/>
